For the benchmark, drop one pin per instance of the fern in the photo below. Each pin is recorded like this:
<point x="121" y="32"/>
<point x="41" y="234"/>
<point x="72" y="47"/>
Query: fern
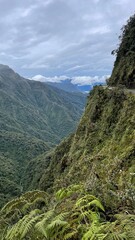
<point x="29" y="222"/>
<point x="68" y="192"/>
<point x="52" y="225"/>
<point x="74" y="215"/>
<point x="23" y="226"/>
<point x="96" y="203"/>
<point x="40" y="226"/>
<point x="95" y="232"/>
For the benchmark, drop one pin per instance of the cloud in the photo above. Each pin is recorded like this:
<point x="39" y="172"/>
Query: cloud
<point x="88" y="80"/>
<point x="59" y="37"/>
<point x="49" y="79"/>
<point x="78" y="80"/>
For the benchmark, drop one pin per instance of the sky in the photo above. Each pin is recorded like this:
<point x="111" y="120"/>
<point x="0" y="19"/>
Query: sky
<point x="49" y="40"/>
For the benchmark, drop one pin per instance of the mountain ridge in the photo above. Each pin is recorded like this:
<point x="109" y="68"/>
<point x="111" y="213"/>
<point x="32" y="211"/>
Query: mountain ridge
<point x="34" y="96"/>
<point x="33" y="118"/>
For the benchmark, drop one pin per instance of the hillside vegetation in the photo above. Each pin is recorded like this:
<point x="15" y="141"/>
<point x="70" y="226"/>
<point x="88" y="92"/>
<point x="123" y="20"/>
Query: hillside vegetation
<point x="72" y="213"/>
<point x="33" y="118"/>
<point x="36" y="108"/>
<point x="101" y="153"/>
<point x="124" y="66"/>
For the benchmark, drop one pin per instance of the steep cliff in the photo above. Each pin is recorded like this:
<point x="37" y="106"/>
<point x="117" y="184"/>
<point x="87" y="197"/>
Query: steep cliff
<point x="101" y="153"/>
<point x="124" y="66"/>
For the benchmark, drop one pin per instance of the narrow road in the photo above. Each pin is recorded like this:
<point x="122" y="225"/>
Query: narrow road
<point x="126" y="89"/>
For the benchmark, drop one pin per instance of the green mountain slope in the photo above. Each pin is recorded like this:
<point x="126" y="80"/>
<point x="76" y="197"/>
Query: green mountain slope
<point x="37" y="109"/>
<point x="16" y="150"/>
<point x="101" y="153"/>
<point x="33" y="118"/>
<point x="124" y="66"/>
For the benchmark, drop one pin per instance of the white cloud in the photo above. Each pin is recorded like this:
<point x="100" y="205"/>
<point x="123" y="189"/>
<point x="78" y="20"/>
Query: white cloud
<point x="88" y="80"/>
<point x="49" y="79"/>
<point x="78" y="80"/>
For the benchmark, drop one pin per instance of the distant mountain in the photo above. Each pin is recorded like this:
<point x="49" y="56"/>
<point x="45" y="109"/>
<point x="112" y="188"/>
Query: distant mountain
<point x="65" y="85"/>
<point x="68" y="86"/>
<point x="34" y="116"/>
<point x="85" y="88"/>
<point x="36" y="108"/>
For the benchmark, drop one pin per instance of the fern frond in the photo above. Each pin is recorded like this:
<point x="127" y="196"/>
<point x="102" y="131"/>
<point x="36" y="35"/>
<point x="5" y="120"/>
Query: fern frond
<point x="96" y="203"/>
<point x="40" y="226"/>
<point x="84" y="200"/>
<point x="23" y="226"/>
<point x="95" y="232"/>
<point x="61" y="194"/>
<point x="70" y="235"/>
<point x="52" y="225"/>
<point x="13" y="204"/>
<point x="32" y="195"/>
<point x="68" y="192"/>
<point x="29" y="222"/>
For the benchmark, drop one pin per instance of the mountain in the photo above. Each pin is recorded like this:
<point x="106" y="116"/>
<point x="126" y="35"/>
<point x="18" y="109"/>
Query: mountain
<point x="37" y="109"/>
<point x="68" y="86"/>
<point x="33" y="118"/>
<point x="101" y="153"/>
<point x="87" y="88"/>
<point x="65" y="85"/>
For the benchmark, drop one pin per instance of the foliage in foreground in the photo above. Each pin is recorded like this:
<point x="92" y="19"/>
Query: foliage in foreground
<point x="71" y="214"/>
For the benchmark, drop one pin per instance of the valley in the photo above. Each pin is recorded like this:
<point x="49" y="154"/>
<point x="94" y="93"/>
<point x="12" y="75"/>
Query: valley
<point x="34" y="117"/>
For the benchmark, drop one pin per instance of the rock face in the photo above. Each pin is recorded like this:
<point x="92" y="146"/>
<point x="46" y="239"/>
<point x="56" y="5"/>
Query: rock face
<point x="124" y="66"/>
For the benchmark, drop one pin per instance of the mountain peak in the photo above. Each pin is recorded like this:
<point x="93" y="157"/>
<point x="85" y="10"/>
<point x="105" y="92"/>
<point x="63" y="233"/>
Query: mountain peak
<point x="6" y="69"/>
<point x="8" y="74"/>
<point x="2" y="66"/>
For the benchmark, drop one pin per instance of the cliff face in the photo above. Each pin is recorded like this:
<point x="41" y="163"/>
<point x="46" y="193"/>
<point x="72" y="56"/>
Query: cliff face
<point x="101" y="153"/>
<point x="124" y="66"/>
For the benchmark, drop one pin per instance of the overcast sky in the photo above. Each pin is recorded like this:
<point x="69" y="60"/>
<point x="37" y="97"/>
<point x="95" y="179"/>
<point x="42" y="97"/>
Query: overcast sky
<point x="61" y="37"/>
